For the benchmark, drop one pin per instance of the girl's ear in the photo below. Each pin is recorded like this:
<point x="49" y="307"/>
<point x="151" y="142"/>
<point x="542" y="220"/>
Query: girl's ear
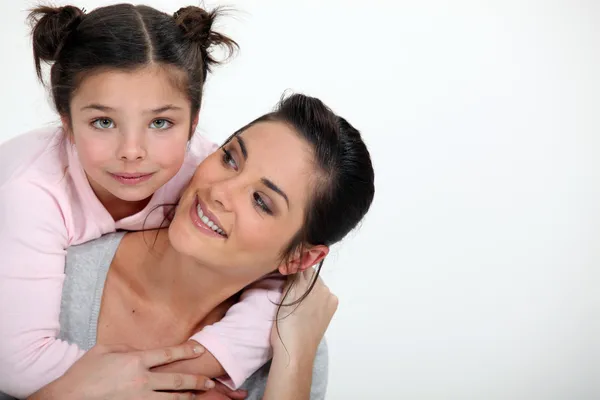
<point x="195" y="123"/>
<point x="66" y="124"/>
<point x="309" y="257"/>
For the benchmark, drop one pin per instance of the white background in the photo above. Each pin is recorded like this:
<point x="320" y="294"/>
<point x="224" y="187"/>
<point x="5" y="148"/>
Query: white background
<point x="475" y="275"/>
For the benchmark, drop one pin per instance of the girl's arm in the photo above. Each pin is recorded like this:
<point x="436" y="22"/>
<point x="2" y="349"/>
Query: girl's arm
<point x="33" y="238"/>
<point x="239" y="343"/>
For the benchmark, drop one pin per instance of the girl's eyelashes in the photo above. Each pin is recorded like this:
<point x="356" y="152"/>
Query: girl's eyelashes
<point x="103" y="123"/>
<point x="161" y="124"/>
<point x="107" y="123"/>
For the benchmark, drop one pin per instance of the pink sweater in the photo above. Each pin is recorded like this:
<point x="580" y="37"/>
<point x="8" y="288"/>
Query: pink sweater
<point x="47" y="205"/>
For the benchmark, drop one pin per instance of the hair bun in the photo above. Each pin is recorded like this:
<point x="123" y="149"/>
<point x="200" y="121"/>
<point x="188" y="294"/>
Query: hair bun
<point x="50" y="26"/>
<point x="196" y="25"/>
<point x="195" y="22"/>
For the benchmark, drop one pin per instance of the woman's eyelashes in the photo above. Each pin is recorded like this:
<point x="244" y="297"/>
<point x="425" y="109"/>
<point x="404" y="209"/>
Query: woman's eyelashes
<point x="228" y="159"/>
<point x="261" y="203"/>
<point x="258" y="200"/>
<point x="108" y="123"/>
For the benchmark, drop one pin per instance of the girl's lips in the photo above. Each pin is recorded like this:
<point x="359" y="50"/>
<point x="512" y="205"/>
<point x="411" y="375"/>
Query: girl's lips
<point x="131" y="179"/>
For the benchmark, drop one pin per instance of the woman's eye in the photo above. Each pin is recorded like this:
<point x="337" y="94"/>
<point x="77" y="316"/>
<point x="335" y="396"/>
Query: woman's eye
<point x="103" y="123"/>
<point x="160" y="124"/>
<point x="261" y="203"/>
<point x="229" y="160"/>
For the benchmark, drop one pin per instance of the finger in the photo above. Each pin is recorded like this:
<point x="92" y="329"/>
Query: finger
<point x="166" y="355"/>
<point x="176" y="381"/>
<point x="212" y="395"/>
<point x="232" y="394"/>
<point x="172" y="396"/>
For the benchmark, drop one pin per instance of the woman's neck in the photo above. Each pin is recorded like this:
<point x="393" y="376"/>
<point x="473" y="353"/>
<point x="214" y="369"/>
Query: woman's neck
<point x="165" y="279"/>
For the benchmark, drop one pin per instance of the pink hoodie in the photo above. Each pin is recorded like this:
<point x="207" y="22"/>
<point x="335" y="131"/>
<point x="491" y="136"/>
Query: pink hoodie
<point x="47" y="205"/>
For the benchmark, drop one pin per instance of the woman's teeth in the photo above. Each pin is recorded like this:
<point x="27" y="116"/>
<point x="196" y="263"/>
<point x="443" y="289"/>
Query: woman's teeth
<point x="208" y="222"/>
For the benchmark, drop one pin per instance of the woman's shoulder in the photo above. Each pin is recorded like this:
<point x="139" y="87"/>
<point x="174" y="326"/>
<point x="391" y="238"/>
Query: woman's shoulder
<point x="33" y="155"/>
<point x="99" y="251"/>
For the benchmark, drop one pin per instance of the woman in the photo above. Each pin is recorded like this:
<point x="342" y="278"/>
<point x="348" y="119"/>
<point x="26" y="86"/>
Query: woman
<point x="273" y="199"/>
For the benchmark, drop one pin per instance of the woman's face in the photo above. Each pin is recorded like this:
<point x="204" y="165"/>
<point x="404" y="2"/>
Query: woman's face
<point x="246" y="201"/>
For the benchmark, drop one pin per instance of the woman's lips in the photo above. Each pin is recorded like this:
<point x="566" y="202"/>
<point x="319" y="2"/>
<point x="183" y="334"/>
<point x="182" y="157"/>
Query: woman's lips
<point x="200" y="224"/>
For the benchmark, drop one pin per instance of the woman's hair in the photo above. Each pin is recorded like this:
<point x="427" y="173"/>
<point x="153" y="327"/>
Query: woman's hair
<point x="344" y="186"/>
<point x="124" y="37"/>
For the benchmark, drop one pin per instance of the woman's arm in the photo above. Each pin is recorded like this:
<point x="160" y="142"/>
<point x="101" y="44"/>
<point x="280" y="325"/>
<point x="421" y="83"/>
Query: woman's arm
<point x="290" y="378"/>
<point x="119" y="373"/>
<point x="296" y="336"/>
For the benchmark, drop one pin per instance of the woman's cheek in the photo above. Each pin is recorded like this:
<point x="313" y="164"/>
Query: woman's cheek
<point x="257" y="233"/>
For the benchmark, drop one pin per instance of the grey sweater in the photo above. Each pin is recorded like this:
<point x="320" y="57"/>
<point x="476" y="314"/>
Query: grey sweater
<point x="86" y="269"/>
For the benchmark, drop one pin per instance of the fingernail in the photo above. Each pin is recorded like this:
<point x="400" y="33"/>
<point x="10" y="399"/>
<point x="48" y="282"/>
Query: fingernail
<point x="198" y="349"/>
<point x="209" y="384"/>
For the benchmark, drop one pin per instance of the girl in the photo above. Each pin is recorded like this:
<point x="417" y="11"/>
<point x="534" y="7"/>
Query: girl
<point x="281" y="191"/>
<point x="127" y="83"/>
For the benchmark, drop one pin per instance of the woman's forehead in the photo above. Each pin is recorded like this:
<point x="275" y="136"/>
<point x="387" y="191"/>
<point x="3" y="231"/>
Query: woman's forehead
<point x="279" y="154"/>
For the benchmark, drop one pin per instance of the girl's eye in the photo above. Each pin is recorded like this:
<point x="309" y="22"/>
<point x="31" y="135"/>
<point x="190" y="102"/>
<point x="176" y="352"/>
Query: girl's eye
<point x="161" y="124"/>
<point x="103" y="123"/>
<point x="261" y="203"/>
<point x="229" y="160"/>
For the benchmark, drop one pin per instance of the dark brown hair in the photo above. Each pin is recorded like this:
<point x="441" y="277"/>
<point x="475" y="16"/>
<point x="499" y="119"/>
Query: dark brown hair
<point x="345" y="183"/>
<point x="123" y="37"/>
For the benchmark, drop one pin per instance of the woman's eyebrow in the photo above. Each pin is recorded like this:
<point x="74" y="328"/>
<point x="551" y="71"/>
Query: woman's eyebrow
<point x="268" y="183"/>
<point x="243" y="147"/>
<point x="276" y="189"/>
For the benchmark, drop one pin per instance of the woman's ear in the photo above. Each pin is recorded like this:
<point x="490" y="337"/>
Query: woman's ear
<point x="309" y="257"/>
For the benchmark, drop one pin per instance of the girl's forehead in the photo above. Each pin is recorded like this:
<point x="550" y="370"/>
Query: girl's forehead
<point x="148" y="88"/>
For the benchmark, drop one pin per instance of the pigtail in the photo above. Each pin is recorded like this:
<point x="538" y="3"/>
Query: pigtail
<point x="50" y="27"/>
<point x="197" y="27"/>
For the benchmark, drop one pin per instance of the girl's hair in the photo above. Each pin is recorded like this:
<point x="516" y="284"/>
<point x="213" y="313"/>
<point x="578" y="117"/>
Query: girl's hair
<point x="124" y="37"/>
<point x="345" y="183"/>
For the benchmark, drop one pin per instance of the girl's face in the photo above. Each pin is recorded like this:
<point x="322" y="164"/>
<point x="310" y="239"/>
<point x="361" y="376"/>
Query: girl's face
<point x="131" y="130"/>
<point x="246" y="202"/>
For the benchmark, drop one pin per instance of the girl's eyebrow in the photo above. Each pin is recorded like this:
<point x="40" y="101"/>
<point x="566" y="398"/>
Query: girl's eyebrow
<point x="104" y="108"/>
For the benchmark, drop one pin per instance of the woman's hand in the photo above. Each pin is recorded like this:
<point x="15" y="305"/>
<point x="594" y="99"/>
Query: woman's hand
<point x="300" y="327"/>
<point x="296" y="336"/>
<point x="118" y="372"/>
